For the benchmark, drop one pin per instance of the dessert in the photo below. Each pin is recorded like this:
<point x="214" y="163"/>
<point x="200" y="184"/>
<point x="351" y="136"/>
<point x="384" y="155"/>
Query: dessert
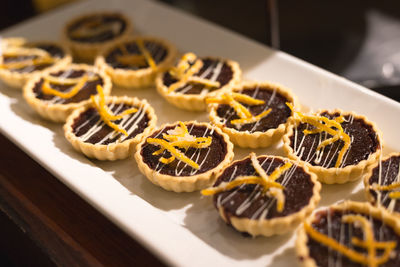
<point x="135" y="62"/>
<point x="184" y="156"/>
<point x="110" y="127"/>
<point x="349" y="234"/>
<point x="54" y="94"/>
<point x="253" y="114"/>
<point x="382" y="183"/>
<point x="194" y="79"/>
<point x="265" y="195"/>
<point x="87" y="35"/>
<point x="20" y="61"/>
<point x="337" y="145"/>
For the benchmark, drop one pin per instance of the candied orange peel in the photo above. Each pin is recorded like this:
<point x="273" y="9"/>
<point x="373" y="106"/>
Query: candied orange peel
<point x="47" y="89"/>
<point x="36" y="57"/>
<point x="177" y="138"/>
<point x="369" y="243"/>
<point x="332" y="127"/>
<point x="234" y="100"/>
<point x="268" y="182"/>
<point x="141" y="59"/>
<point x="189" y="65"/>
<point x="393" y="186"/>
<point x="106" y="114"/>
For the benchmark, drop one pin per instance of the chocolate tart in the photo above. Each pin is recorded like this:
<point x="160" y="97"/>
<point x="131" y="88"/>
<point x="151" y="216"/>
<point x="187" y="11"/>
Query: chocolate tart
<point x="55" y="108"/>
<point x="192" y="96"/>
<point x="16" y="77"/>
<point x="334" y="223"/>
<point x="250" y="210"/>
<point x="88" y="34"/>
<point x="178" y="176"/>
<point x="365" y="147"/>
<point x="265" y="131"/>
<point x="89" y="134"/>
<point x="136" y="74"/>
<point x="385" y="172"/>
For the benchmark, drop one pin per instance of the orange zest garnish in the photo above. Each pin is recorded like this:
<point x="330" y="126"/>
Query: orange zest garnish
<point x="106" y="114"/>
<point x="369" y="242"/>
<point x="137" y="59"/>
<point x="184" y="71"/>
<point x="179" y="137"/>
<point x="332" y="127"/>
<point x="38" y="57"/>
<point x="46" y="88"/>
<point x="268" y="182"/>
<point x="233" y="99"/>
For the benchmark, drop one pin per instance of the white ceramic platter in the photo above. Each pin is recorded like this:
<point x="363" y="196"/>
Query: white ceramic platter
<point x="183" y="229"/>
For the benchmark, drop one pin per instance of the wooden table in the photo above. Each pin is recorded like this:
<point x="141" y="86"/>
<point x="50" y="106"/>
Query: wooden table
<point x="44" y="223"/>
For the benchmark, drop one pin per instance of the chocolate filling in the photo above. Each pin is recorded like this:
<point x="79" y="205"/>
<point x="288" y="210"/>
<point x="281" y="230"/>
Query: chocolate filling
<point x="92" y="129"/>
<point x="54" y="50"/>
<point x="86" y="91"/>
<point x="92" y="23"/>
<point x="343" y="232"/>
<point x="279" y="114"/>
<point x="209" y="65"/>
<point x="364" y="143"/>
<point x="208" y="158"/>
<point x="158" y="53"/>
<point x="389" y="173"/>
<point x="247" y="201"/>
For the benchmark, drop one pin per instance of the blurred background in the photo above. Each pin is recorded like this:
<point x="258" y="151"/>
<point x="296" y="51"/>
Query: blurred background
<point x="356" y="39"/>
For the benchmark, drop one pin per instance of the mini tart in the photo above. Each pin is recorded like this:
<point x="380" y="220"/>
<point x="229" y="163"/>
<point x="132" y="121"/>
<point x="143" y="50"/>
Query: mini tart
<point x="178" y="176"/>
<point x="192" y="97"/>
<point x="136" y="74"/>
<point x="265" y="131"/>
<point x="249" y="210"/>
<point x="332" y="223"/>
<point x="17" y="77"/>
<point x="90" y="135"/>
<point x="365" y="147"/>
<point x="384" y="173"/>
<point x="55" y="108"/>
<point x="87" y="35"/>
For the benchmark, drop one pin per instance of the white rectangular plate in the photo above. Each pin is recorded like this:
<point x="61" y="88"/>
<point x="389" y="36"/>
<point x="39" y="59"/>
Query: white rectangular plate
<point x="184" y="229"/>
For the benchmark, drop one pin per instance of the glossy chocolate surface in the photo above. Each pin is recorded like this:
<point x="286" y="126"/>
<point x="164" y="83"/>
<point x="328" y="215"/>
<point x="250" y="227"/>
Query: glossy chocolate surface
<point x="93" y="23"/>
<point x="87" y="90"/>
<point x="364" y="143"/>
<point x="224" y="76"/>
<point x="279" y="114"/>
<point x="158" y="53"/>
<point x="54" y="50"/>
<point x="208" y="158"/>
<point x="247" y="201"/>
<point x="92" y="129"/>
<point x="343" y="232"/>
<point x="389" y="175"/>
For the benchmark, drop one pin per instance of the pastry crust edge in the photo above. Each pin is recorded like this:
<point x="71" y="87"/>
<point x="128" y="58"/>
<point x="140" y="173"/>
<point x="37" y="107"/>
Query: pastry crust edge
<point x="112" y="151"/>
<point x="60" y="112"/>
<point x="334" y="175"/>
<point x="184" y="183"/>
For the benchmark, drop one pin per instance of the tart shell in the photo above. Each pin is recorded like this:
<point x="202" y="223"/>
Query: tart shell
<point x="136" y="78"/>
<point x="256" y="139"/>
<point x="278" y="225"/>
<point x="196" y="102"/>
<point x="184" y="183"/>
<point x="112" y="151"/>
<point x="17" y="80"/>
<point x="302" y="250"/>
<point x="368" y="176"/>
<point x="88" y="51"/>
<point x="336" y="175"/>
<point x="60" y="112"/>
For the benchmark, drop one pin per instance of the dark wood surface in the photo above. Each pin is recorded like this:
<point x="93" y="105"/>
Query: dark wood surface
<point x="44" y="223"/>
